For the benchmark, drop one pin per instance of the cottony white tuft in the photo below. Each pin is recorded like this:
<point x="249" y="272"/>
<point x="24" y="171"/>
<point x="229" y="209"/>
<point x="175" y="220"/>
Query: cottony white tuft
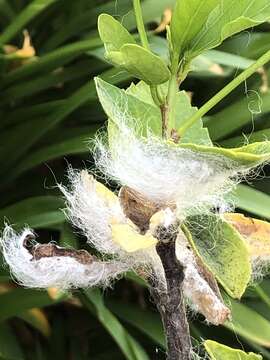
<point x="203" y="298"/>
<point x="63" y="272"/>
<point x="93" y="208"/>
<point x="167" y="174"/>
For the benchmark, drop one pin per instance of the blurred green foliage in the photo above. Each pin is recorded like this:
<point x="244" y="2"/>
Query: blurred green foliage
<point x="49" y="112"/>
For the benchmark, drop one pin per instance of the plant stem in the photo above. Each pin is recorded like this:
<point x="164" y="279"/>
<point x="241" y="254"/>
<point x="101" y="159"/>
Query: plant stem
<point x="225" y="91"/>
<point x="140" y="24"/>
<point x="169" y="122"/>
<point x="155" y="95"/>
<point x="172" y="305"/>
<point x="145" y="43"/>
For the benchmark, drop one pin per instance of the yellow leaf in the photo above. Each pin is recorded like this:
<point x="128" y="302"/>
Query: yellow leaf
<point x="256" y="233"/>
<point x="166" y="19"/>
<point x="157" y="219"/>
<point x="107" y="195"/>
<point x="39" y="320"/>
<point x="222" y="352"/>
<point x="54" y="293"/>
<point x="129" y="239"/>
<point x="27" y="50"/>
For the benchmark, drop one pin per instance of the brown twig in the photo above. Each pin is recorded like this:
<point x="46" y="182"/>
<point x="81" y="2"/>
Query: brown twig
<point x="164" y="116"/>
<point x="170" y="301"/>
<point x="173" y="312"/>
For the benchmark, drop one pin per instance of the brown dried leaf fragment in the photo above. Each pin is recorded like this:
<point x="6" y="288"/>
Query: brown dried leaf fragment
<point x="200" y="285"/>
<point x="175" y="136"/>
<point x="137" y="208"/>
<point x="208" y="276"/>
<point x="212" y="307"/>
<point x="39" y="251"/>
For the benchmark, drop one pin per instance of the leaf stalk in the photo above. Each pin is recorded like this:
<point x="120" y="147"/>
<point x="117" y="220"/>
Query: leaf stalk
<point x="225" y="91"/>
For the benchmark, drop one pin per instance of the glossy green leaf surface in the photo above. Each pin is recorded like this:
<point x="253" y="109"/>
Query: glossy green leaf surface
<point x="40" y="211"/>
<point x="196" y="134"/>
<point x="128" y="345"/>
<point x="200" y="25"/>
<point x="113" y="34"/>
<point x="143" y="64"/>
<point x="248" y="323"/>
<point x="253" y="201"/>
<point x="124" y="109"/>
<point x="219" y="244"/>
<point x="148" y="323"/>
<point x="239" y="113"/>
<point x="221" y="352"/>
<point x="247" y="156"/>
<point x="122" y="50"/>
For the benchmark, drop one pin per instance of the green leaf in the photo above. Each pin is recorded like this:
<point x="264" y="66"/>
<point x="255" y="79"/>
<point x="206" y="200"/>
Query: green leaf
<point x="122" y="50"/>
<point x="256" y="40"/>
<point x="203" y="24"/>
<point x="196" y="134"/>
<point x="52" y="60"/>
<point x="37" y="130"/>
<point x="28" y="299"/>
<point x="146" y="321"/>
<point x="252" y="200"/>
<point x="36" y="318"/>
<point x="125" y="109"/>
<point x="248" y="323"/>
<point x="18" y="24"/>
<point x="25" y="89"/>
<point x="221" y="352"/>
<point x="9" y="345"/>
<point x="187" y="21"/>
<point x="113" y="34"/>
<point x="247" y="156"/>
<point x="142" y="92"/>
<point x="75" y="145"/>
<point x="255" y="136"/>
<point x="129" y="346"/>
<point x="218" y="244"/>
<point x="68" y="238"/>
<point x="143" y="64"/>
<point x="36" y="212"/>
<point x="6" y="10"/>
<point x="224" y="58"/>
<point x="240" y="113"/>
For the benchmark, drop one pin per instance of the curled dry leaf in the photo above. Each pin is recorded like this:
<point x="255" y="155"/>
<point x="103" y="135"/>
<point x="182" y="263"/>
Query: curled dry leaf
<point x="129" y="239"/>
<point x="200" y="285"/>
<point x="137" y="207"/>
<point x="39" y="251"/>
